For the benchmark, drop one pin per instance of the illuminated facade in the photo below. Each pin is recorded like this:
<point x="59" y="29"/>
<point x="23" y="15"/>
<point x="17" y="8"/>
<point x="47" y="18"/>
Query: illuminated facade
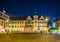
<point x="16" y="24"/>
<point x="4" y="19"/>
<point x="43" y="24"/>
<point x="25" y="24"/>
<point x="28" y="24"/>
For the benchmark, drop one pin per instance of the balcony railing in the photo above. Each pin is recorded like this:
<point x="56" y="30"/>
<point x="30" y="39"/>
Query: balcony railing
<point x="4" y="16"/>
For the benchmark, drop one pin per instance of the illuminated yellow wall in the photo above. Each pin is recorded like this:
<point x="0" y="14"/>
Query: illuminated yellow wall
<point x="43" y="24"/>
<point x="22" y="23"/>
<point x="14" y="24"/>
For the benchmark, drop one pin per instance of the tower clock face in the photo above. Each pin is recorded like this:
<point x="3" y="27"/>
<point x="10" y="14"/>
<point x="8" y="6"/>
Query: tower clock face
<point x="36" y="16"/>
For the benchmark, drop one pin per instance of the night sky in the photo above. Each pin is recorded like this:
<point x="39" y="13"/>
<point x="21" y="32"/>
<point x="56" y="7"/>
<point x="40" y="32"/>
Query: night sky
<point x="49" y="8"/>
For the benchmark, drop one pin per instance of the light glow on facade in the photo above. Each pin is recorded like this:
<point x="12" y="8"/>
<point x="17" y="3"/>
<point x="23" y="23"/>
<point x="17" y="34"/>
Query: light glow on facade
<point x="25" y="24"/>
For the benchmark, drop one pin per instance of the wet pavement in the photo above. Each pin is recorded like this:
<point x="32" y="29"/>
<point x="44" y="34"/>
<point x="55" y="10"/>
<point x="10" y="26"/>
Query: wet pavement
<point x="32" y="37"/>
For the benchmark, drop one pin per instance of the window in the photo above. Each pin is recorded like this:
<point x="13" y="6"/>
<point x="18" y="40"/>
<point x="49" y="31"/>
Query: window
<point x="32" y="22"/>
<point x="0" y="14"/>
<point x="22" y="26"/>
<point x="42" y="19"/>
<point x="22" y="22"/>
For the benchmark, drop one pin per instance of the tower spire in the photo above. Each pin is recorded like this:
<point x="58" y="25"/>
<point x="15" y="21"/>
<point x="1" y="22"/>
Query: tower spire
<point x="4" y="11"/>
<point x="35" y="11"/>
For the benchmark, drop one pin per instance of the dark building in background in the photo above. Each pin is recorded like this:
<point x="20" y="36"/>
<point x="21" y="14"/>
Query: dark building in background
<point x="58" y="22"/>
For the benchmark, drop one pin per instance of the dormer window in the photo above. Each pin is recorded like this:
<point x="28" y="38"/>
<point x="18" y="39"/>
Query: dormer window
<point x="42" y="19"/>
